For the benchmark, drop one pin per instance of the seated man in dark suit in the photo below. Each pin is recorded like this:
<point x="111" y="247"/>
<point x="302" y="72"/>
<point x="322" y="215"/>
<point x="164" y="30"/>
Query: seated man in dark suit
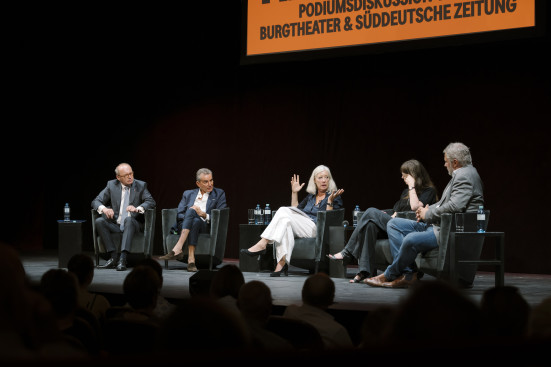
<point x="121" y="205"/>
<point x="194" y="215"/>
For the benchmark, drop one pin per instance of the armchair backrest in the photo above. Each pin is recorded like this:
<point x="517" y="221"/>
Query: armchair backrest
<point x="219" y="220"/>
<point x="169" y="217"/>
<point x="325" y="220"/>
<point x="149" y="230"/>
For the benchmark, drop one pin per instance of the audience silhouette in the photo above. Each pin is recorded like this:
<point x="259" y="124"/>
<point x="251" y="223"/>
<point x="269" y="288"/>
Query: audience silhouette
<point x="60" y="288"/>
<point x="49" y="321"/>
<point x="255" y="303"/>
<point x="28" y="326"/>
<point x="225" y="286"/>
<point x="318" y="293"/>
<point x="163" y="307"/>
<point x="82" y="266"/>
<point x="505" y="313"/>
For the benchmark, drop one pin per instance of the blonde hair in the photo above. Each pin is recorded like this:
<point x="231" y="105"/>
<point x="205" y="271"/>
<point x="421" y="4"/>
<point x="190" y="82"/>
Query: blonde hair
<point x="312" y="188"/>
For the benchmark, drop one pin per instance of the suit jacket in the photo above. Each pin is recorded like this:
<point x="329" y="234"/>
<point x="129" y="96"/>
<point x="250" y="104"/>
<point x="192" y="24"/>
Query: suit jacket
<point x="111" y="195"/>
<point x="463" y="193"/>
<point x="217" y="200"/>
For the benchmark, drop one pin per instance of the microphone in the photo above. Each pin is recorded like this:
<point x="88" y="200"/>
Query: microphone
<point x="345" y="223"/>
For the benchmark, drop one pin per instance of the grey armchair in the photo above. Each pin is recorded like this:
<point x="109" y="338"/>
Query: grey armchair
<point x="437" y="262"/>
<point x="310" y="253"/>
<point x="211" y="246"/>
<point x="142" y="243"/>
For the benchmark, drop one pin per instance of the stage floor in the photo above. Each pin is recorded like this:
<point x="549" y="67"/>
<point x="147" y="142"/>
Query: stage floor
<point x="287" y="290"/>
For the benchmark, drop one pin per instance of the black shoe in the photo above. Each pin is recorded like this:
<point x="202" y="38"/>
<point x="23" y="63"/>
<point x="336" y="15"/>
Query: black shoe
<point x="121" y="266"/>
<point x="110" y="264"/>
<point x="284" y="269"/>
<point x="347" y="259"/>
<point x="360" y="277"/>
<point x="247" y="252"/>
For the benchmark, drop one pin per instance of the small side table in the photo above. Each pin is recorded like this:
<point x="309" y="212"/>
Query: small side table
<point x="249" y="234"/>
<point x="497" y="261"/>
<point x="70" y="240"/>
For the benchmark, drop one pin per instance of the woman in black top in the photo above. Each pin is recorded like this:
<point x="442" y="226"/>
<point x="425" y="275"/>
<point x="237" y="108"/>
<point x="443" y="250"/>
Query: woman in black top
<point x="372" y="224"/>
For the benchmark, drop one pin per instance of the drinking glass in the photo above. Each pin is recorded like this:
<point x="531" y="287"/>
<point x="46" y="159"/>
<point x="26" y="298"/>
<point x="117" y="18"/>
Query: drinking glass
<point x="459" y="222"/>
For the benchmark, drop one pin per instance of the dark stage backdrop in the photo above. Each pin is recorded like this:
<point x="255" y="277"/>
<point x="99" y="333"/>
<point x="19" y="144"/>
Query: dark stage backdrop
<point x="158" y="93"/>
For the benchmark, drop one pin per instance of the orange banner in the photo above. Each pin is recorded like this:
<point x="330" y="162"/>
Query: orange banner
<point x="275" y="26"/>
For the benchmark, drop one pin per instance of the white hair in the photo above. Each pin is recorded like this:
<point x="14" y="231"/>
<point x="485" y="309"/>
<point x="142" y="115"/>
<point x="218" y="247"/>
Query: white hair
<point x="460" y="152"/>
<point x="312" y="188"/>
<point x="202" y="171"/>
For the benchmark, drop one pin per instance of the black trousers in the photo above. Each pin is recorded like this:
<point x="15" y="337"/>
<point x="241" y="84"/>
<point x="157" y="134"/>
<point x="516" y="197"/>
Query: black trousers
<point x="105" y="227"/>
<point x="361" y="245"/>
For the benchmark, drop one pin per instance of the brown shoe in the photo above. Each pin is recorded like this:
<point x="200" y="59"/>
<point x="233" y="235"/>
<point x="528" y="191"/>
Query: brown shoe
<point x="376" y="281"/>
<point x="172" y="256"/>
<point x="191" y="267"/>
<point x="403" y="281"/>
<point x="168" y="256"/>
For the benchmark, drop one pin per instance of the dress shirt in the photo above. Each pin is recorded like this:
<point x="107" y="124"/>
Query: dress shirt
<point x="140" y="209"/>
<point x="201" y="202"/>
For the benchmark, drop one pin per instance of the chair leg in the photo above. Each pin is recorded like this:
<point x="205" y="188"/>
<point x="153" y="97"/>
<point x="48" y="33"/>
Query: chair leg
<point x="166" y="264"/>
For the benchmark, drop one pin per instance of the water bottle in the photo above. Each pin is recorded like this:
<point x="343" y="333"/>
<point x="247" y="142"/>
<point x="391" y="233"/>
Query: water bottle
<point x="258" y="219"/>
<point x="267" y="214"/>
<point x="67" y="213"/>
<point x="480" y="219"/>
<point x="355" y="216"/>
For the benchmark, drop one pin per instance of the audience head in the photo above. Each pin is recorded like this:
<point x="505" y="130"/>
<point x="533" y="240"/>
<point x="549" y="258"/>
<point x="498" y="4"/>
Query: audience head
<point x="154" y="264"/>
<point x="540" y="321"/>
<point x="435" y="311"/>
<point x="505" y="312"/>
<point x="141" y="288"/>
<point x="205" y="325"/>
<point x="376" y="325"/>
<point x="60" y="287"/>
<point x="82" y="266"/>
<point x="312" y="187"/>
<point x="255" y="301"/>
<point x="227" y="281"/>
<point x="318" y="291"/>
<point x="13" y="288"/>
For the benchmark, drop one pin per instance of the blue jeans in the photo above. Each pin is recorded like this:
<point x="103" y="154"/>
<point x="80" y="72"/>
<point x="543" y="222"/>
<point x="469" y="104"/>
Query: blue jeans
<point x="407" y="239"/>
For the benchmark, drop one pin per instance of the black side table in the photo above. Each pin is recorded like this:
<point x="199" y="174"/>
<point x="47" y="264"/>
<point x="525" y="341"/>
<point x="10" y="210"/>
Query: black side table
<point x="249" y="234"/>
<point x="498" y="261"/>
<point x="70" y="240"/>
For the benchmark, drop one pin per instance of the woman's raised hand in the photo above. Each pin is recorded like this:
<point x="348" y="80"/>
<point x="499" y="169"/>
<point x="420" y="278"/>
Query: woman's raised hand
<point x="335" y="194"/>
<point x="296" y="186"/>
<point x="409" y="180"/>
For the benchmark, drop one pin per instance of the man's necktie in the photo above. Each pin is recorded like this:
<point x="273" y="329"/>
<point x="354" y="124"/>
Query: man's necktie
<point x="124" y="213"/>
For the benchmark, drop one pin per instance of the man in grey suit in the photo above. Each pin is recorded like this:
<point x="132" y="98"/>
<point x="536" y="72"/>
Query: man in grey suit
<point x="121" y="205"/>
<point x="408" y="238"/>
<point x="194" y="215"/>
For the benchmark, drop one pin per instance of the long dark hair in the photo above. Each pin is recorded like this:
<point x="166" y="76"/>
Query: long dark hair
<point x="422" y="179"/>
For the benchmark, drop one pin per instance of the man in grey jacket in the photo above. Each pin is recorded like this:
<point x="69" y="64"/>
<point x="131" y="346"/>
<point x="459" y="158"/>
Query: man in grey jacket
<point x="121" y="205"/>
<point x="408" y="238"/>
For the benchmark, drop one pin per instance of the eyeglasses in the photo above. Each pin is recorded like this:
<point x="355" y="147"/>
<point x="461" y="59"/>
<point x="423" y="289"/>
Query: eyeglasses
<point x="127" y="175"/>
